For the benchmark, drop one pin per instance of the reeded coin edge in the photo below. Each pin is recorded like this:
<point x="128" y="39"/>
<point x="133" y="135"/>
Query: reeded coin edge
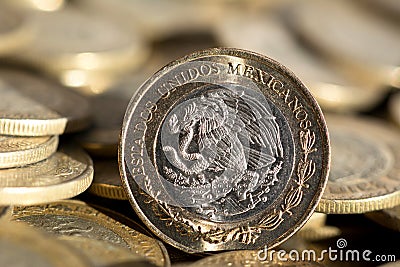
<point x="250" y="56"/>
<point x="354" y="206"/>
<point x="32" y="127"/>
<point x="28" y="156"/>
<point x="43" y="194"/>
<point x="108" y="191"/>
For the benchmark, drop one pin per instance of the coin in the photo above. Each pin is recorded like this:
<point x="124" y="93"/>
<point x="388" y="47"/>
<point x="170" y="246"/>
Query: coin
<point x="67" y="219"/>
<point x="18" y="151"/>
<point x="394" y="108"/>
<point x="21" y="245"/>
<point x="58" y="99"/>
<point x="63" y="175"/>
<point x="106" y="182"/>
<point x="365" y="172"/>
<point x="332" y="90"/>
<point x="69" y="40"/>
<point x="37" y="5"/>
<point x="108" y="112"/>
<point x="249" y="258"/>
<point x="207" y="152"/>
<point x="370" y="54"/>
<point x="22" y="116"/>
<point x="389" y="218"/>
<point x="15" y="30"/>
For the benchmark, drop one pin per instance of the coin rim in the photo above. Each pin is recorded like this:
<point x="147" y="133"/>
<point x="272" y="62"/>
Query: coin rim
<point x="241" y="53"/>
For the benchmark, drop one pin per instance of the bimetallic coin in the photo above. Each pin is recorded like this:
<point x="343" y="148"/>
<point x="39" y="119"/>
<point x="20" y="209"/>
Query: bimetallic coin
<point x="58" y="99"/>
<point x="365" y="173"/>
<point x="18" y="151"/>
<point x="219" y="151"/>
<point x="107" y="182"/>
<point x="251" y="259"/>
<point x="363" y="45"/>
<point x="389" y="218"/>
<point x="63" y="175"/>
<point x="15" y="30"/>
<point x="332" y="90"/>
<point x="67" y="219"/>
<point x="22" y="116"/>
<point x="24" y="246"/>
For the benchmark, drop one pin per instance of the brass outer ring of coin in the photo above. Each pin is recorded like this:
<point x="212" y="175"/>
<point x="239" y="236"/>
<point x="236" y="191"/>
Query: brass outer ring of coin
<point x="42" y="248"/>
<point x="380" y="192"/>
<point x="108" y="191"/>
<point x="37" y="150"/>
<point x="63" y="175"/>
<point x="145" y="171"/>
<point x="150" y="248"/>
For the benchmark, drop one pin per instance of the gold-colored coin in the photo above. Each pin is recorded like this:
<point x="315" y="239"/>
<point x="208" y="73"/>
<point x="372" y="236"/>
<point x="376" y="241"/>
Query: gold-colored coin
<point x="389" y="218"/>
<point x="23" y="116"/>
<point x="332" y="90"/>
<point x="24" y="246"/>
<point x="58" y="99"/>
<point x="394" y="108"/>
<point x="67" y="219"/>
<point x="316" y="229"/>
<point x="18" y="151"/>
<point x="107" y="182"/>
<point x="365" y="168"/>
<point x="250" y="258"/>
<point x="78" y="47"/>
<point x="37" y="5"/>
<point x="63" y="175"/>
<point x="363" y="45"/>
<point x="15" y="30"/>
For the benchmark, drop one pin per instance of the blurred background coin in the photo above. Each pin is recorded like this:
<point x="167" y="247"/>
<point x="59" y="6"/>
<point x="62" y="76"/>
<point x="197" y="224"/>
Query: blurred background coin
<point x="389" y="218"/>
<point x="394" y="107"/>
<point x="24" y="246"/>
<point x="365" y="172"/>
<point x="332" y="90"/>
<point x="363" y="45"/>
<point x="76" y="47"/>
<point x="59" y="102"/>
<point x="107" y="182"/>
<point x="16" y="30"/>
<point x="18" y="151"/>
<point x="68" y="219"/>
<point x="65" y="174"/>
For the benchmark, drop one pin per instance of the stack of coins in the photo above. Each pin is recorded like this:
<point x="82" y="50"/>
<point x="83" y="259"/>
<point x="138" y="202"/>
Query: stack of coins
<point x="130" y="136"/>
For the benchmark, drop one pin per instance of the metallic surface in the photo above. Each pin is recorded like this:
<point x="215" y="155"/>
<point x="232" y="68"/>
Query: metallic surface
<point x="365" y="172"/>
<point x="22" y="246"/>
<point x="67" y="219"/>
<point x="389" y="218"/>
<point x="248" y="258"/>
<point x="349" y="43"/>
<point x="58" y="99"/>
<point x="332" y="90"/>
<point x="224" y="149"/>
<point x="18" y="151"/>
<point x="63" y="175"/>
<point x="107" y="182"/>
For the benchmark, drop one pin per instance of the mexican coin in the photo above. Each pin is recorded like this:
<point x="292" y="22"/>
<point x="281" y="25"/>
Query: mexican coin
<point x="18" y="150"/>
<point x="224" y="149"/>
<point x="78" y="223"/>
<point x="365" y="173"/>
